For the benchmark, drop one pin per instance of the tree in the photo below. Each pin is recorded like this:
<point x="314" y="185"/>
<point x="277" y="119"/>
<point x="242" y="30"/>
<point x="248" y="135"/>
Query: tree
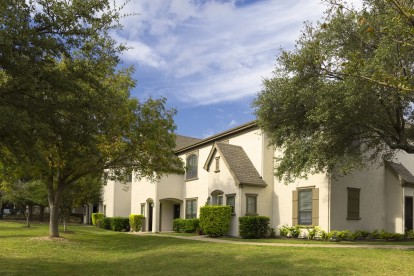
<point x="25" y="195"/>
<point x="65" y="101"/>
<point x="343" y="97"/>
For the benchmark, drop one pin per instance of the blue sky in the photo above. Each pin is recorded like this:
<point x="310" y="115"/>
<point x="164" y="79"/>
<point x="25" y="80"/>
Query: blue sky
<point x="208" y="58"/>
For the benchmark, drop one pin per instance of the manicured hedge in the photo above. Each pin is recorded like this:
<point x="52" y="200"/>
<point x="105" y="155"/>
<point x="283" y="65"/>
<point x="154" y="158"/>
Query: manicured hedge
<point x="114" y="224"/>
<point x="215" y="220"/>
<point x="186" y="225"/>
<point x="106" y="223"/>
<point x="253" y="227"/>
<point x="135" y="222"/>
<point x="96" y="216"/>
<point x="120" y="224"/>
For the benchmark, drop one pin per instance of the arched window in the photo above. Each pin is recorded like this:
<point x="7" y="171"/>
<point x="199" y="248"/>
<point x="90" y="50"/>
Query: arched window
<point x="217" y="197"/>
<point x="192" y="166"/>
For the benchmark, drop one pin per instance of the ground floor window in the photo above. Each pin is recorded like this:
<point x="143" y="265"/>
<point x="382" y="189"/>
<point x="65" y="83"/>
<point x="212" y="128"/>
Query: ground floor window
<point x="353" y="203"/>
<point x="231" y="201"/>
<point x="305" y="207"/>
<point x="191" y="208"/>
<point x="104" y="210"/>
<point x="251" y="204"/>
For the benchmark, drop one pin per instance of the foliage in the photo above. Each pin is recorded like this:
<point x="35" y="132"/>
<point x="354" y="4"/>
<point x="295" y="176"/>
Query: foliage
<point x="96" y="216"/>
<point x="186" y="225"/>
<point x="313" y="232"/>
<point x="114" y="253"/>
<point x="284" y="231"/>
<point x="360" y="234"/>
<point x="326" y="236"/>
<point x="106" y="223"/>
<point x="120" y="224"/>
<point x="339" y="235"/>
<point x="136" y="222"/>
<point x="343" y="98"/>
<point x="98" y="223"/>
<point x="65" y="105"/>
<point x="215" y="220"/>
<point x="294" y="231"/>
<point x="253" y="227"/>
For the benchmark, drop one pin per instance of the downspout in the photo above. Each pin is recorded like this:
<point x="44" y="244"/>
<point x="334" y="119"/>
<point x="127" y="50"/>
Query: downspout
<point x="329" y="201"/>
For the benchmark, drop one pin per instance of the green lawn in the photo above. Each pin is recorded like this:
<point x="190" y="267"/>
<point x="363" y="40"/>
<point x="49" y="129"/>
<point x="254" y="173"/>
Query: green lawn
<point x="93" y="251"/>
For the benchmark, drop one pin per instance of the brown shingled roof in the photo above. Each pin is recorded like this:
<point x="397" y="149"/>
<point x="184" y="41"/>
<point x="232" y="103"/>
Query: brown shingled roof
<point x="238" y="163"/>
<point x="185" y="141"/>
<point x="402" y="172"/>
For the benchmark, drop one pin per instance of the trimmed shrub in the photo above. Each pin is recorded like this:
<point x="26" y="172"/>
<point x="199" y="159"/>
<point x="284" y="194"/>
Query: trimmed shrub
<point x="106" y="223"/>
<point x="99" y="223"/>
<point x="215" y="220"/>
<point x="96" y="216"/>
<point x="120" y="224"/>
<point x="135" y="222"/>
<point x="186" y="225"/>
<point x="253" y="227"/>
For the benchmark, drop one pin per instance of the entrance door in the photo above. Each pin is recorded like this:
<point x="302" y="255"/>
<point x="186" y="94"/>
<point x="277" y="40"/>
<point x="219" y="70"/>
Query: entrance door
<point x="176" y="211"/>
<point x="408" y="210"/>
<point x="150" y="206"/>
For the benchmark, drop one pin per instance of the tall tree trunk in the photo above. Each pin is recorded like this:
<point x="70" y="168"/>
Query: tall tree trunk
<point x="54" y="219"/>
<point x="54" y="198"/>
<point x="30" y="209"/>
<point x="1" y="209"/>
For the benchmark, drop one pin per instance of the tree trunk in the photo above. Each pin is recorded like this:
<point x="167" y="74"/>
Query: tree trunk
<point x="54" y="219"/>
<point x="1" y="209"/>
<point x="30" y="209"/>
<point x="27" y="214"/>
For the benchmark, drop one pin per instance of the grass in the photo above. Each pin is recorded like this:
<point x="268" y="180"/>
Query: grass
<point x="306" y="241"/>
<point x="93" y="251"/>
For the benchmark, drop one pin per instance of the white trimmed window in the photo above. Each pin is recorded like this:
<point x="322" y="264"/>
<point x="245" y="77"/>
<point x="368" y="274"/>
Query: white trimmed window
<point x="191" y="208"/>
<point x="191" y="167"/>
<point x="231" y="201"/>
<point x="251" y="204"/>
<point x="305" y="207"/>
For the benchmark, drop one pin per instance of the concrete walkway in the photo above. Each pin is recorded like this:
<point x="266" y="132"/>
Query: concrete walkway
<point x="333" y="245"/>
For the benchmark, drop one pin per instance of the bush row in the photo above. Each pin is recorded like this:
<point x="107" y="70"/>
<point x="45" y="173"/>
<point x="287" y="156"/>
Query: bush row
<point x="114" y="224"/>
<point x="96" y="216"/>
<point x="254" y="227"/>
<point x="186" y="225"/>
<point x="316" y="232"/>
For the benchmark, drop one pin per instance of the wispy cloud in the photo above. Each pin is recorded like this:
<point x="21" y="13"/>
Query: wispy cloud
<point x="207" y="52"/>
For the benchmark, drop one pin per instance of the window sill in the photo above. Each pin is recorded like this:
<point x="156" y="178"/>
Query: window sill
<point x="217" y="171"/>
<point x="251" y="214"/>
<point x="353" y="218"/>
<point x="191" y="179"/>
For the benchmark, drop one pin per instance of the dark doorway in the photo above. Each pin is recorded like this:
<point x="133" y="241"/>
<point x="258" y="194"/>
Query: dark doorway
<point x="408" y="210"/>
<point x="150" y="206"/>
<point x="176" y="211"/>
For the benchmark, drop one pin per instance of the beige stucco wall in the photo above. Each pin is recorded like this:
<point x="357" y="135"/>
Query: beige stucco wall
<point x="117" y="198"/>
<point x="371" y="181"/>
<point x="282" y="199"/>
<point x="394" y="202"/>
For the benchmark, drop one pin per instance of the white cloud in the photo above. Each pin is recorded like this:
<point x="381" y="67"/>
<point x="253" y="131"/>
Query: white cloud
<point x="232" y="123"/>
<point x="206" y="52"/>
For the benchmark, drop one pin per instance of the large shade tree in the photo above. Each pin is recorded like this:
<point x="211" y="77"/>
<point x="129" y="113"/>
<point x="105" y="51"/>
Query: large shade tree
<point x="343" y="97"/>
<point x="65" y="104"/>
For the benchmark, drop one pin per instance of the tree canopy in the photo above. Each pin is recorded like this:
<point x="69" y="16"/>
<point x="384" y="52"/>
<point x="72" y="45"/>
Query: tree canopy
<point x="343" y="97"/>
<point x="65" y="99"/>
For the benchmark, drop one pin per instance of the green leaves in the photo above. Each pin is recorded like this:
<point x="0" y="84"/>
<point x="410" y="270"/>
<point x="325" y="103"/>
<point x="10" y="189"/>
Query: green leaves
<point x="343" y="98"/>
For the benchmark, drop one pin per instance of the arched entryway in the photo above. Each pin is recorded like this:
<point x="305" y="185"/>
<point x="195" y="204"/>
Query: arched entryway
<point x="170" y="209"/>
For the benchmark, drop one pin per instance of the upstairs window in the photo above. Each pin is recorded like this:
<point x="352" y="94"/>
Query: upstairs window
<point x="191" y="167"/>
